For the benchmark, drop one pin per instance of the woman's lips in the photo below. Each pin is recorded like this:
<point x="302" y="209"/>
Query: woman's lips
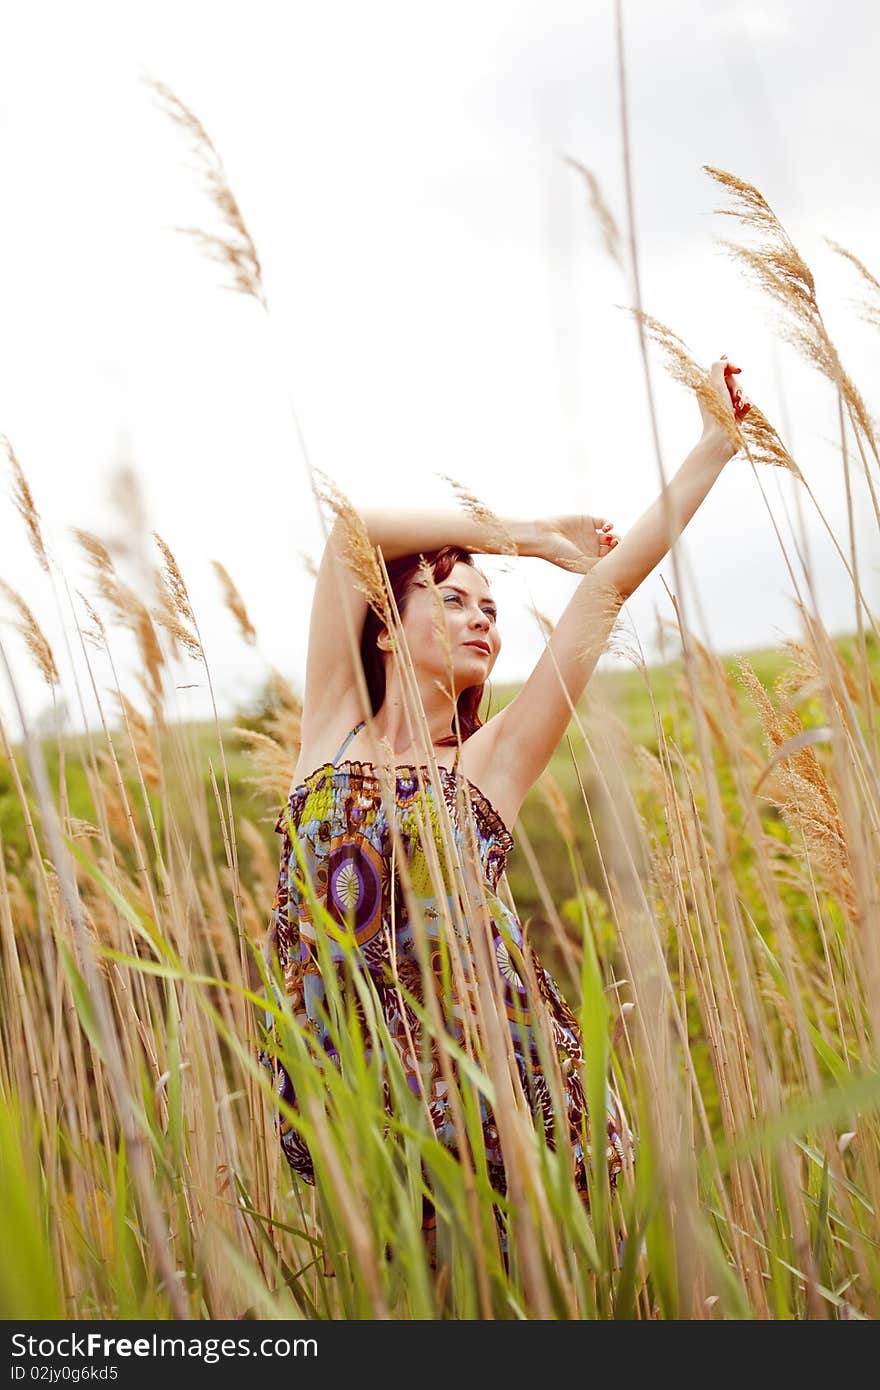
<point x="481" y="646"/>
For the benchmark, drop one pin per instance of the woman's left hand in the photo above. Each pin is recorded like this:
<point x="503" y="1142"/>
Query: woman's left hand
<point x="575" y="543"/>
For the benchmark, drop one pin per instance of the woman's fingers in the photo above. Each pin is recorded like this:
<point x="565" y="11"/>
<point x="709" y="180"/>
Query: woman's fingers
<point x="741" y="403"/>
<point x="722" y="373"/>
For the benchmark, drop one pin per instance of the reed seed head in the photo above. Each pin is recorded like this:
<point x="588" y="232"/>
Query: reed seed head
<point x="235" y="603"/>
<point x="35" y="639"/>
<point x="24" y="502"/>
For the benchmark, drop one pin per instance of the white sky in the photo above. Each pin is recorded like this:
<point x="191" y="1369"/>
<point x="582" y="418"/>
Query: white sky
<point x="440" y="301"/>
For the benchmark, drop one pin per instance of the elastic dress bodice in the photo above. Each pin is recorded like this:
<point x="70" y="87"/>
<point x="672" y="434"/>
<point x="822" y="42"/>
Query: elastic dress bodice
<point x="336" y="838"/>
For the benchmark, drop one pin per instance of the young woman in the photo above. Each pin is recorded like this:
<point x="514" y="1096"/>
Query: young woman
<point x="341" y="829"/>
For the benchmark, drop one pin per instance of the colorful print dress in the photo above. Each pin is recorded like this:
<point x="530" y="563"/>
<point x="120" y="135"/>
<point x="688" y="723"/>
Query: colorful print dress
<point x="341" y="826"/>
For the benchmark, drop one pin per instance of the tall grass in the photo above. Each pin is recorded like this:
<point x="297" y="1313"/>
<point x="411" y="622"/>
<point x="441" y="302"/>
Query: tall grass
<point x="717" y="921"/>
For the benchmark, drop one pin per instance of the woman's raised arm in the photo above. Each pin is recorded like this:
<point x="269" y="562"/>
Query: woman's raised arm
<point x="526" y="733"/>
<point x="339" y="607"/>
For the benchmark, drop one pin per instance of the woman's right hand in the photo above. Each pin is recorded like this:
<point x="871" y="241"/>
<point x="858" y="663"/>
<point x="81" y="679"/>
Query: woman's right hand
<point x="733" y="405"/>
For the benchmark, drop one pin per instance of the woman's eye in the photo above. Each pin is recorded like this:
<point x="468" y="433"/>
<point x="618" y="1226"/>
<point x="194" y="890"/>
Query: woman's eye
<point x="490" y="613"/>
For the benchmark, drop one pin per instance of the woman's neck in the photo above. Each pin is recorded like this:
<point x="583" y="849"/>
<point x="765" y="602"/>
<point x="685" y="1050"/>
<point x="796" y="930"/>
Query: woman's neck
<point x="394" y="724"/>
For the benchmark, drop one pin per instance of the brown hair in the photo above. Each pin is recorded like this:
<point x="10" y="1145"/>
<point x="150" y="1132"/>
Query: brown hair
<point x="402" y="575"/>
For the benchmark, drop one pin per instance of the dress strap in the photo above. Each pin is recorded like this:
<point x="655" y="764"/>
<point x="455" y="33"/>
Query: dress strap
<point x="347" y="740"/>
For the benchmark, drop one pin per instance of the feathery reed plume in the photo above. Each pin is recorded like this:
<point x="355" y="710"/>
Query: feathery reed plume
<point x="235" y="603"/>
<point x="35" y="639"/>
<point x="272" y="751"/>
<point x="803" y="794"/>
<point x="498" y="535"/>
<point x="869" y="308"/>
<point x="754" y="433"/>
<point x="126" y="495"/>
<point x="264" y="867"/>
<point x="273" y="761"/>
<point x="546" y="624"/>
<point x="778" y="268"/>
<point x="82" y="829"/>
<point x="558" y="806"/>
<point x="167" y="617"/>
<point x="764" y="444"/>
<point x="96" y="551"/>
<point x="359" y="552"/>
<point x="24" y="502"/>
<point x="175" y="605"/>
<point x="608" y="228"/>
<point x="308" y="565"/>
<point x="682" y="368"/>
<point x="286" y="714"/>
<point x="173" y="581"/>
<point x="235" y="250"/>
<point x="96" y="635"/>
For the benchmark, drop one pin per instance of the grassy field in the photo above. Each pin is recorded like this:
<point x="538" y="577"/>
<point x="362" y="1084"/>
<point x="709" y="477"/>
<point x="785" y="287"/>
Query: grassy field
<point x="571" y="883"/>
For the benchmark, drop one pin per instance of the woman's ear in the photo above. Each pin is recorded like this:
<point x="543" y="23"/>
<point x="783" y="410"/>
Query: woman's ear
<point x="384" y="640"/>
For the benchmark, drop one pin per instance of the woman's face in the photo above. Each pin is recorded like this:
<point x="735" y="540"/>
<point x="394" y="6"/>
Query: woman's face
<point x="469" y="638"/>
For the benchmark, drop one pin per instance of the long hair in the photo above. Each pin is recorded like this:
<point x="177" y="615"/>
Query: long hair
<point x="402" y="574"/>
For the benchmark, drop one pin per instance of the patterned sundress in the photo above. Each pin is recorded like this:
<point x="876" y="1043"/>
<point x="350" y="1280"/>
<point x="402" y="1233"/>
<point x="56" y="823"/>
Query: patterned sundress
<point x="340" y="822"/>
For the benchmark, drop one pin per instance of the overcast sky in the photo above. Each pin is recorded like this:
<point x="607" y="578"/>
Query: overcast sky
<point x="440" y="301"/>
